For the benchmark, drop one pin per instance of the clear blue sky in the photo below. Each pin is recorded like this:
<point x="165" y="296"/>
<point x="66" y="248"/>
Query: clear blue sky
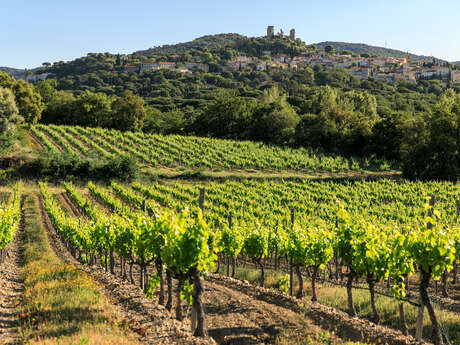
<point x="35" y="31"/>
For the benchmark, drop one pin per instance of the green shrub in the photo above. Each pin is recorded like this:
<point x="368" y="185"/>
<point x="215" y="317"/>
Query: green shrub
<point x="65" y="165"/>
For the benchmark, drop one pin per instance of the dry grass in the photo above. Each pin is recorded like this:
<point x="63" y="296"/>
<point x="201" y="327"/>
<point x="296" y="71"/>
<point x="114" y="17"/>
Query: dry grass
<point x="238" y="174"/>
<point x="61" y="304"/>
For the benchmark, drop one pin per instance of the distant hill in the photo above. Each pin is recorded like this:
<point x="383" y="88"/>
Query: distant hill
<point x="360" y="48"/>
<point x="19" y="73"/>
<point x="208" y="41"/>
<point x="10" y="70"/>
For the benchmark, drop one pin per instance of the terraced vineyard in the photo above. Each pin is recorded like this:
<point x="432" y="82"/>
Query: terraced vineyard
<point x="193" y="152"/>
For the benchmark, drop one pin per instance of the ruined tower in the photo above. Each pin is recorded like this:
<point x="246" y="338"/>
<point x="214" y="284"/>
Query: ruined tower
<point x="270" y="31"/>
<point x="292" y="34"/>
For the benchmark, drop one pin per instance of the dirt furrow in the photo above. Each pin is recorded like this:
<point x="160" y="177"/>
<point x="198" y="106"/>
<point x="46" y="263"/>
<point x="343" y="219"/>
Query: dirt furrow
<point x="352" y="328"/>
<point x="237" y="318"/>
<point x="11" y="288"/>
<point x="70" y="206"/>
<point x="36" y="141"/>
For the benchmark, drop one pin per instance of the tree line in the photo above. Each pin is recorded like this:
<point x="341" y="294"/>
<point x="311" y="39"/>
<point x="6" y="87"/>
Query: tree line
<point x="415" y="124"/>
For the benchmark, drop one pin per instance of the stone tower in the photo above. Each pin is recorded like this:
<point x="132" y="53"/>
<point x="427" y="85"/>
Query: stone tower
<point x="270" y="31"/>
<point x="292" y="34"/>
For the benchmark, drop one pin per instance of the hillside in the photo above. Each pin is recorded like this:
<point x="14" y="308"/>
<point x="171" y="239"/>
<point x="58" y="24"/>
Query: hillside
<point x="11" y="70"/>
<point x="361" y="48"/>
<point x="208" y="41"/>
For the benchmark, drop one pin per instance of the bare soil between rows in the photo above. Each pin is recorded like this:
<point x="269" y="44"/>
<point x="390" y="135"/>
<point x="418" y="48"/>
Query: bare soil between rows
<point x="11" y="289"/>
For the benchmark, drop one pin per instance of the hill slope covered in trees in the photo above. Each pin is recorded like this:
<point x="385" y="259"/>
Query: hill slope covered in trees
<point x="361" y="48"/>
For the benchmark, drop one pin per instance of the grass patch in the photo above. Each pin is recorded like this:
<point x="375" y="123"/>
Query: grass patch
<point x="62" y="304"/>
<point x="243" y="174"/>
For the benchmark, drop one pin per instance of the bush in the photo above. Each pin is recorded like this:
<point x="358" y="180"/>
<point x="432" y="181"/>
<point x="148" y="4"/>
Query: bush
<point x="65" y="165"/>
<point x="121" y="167"/>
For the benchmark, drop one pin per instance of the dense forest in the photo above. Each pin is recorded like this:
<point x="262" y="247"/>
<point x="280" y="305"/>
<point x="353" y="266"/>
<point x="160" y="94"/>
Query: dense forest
<point x="324" y="108"/>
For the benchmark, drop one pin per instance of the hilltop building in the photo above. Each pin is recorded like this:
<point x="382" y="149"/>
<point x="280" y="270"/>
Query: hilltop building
<point x="280" y="34"/>
<point x="270" y="31"/>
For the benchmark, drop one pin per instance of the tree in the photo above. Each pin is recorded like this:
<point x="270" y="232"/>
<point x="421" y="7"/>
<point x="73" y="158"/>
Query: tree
<point x="329" y="49"/>
<point x="430" y="148"/>
<point x="46" y="89"/>
<point x="274" y="120"/>
<point x="92" y="109"/>
<point x="339" y="122"/>
<point x="387" y="136"/>
<point x="60" y="109"/>
<point x="28" y="100"/>
<point x="128" y="112"/>
<point x="9" y="116"/>
<point x="228" y="116"/>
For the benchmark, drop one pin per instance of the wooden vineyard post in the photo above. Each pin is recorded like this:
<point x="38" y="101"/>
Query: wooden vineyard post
<point x="336" y="256"/>
<point x="194" y="317"/>
<point x="291" y="272"/>
<point x="421" y="308"/>
<point x="458" y="211"/>
<point x="276" y="251"/>
<point x="230" y="225"/>
<point x="455" y="262"/>
<point x="144" y="206"/>
<point x="201" y="199"/>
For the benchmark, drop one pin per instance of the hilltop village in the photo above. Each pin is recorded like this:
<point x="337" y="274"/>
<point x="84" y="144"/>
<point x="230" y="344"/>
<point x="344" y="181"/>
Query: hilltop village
<point x="363" y="67"/>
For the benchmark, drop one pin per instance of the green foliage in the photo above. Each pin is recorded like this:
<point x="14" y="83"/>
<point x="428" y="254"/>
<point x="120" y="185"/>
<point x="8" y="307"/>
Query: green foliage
<point x="59" y="165"/>
<point x="329" y="49"/>
<point x="231" y="241"/>
<point x="9" y="118"/>
<point x="228" y="116"/>
<point x="128" y="112"/>
<point x="432" y="247"/>
<point x="93" y="109"/>
<point x="255" y="46"/>
<point x="274" y="120"/>
<point x="10" y="215"/>
<point x="187" y="292"/>
<point x="188" y="245"/>
<point x="28" y="100"/>
<point x="256" y="244"/>
<point x="338" y="121"/>
<point x="359" y="48"/>
<point x="430" y="148"/>
<point x="208" y="42"/>
<point x="283" y="283"/>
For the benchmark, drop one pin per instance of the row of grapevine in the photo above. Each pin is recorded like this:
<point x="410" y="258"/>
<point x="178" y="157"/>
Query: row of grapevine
<point x="10" y="215"/>
<point x="372" y="248"/>
<point x="180" y="242"/>
<point x="174" y="150"/>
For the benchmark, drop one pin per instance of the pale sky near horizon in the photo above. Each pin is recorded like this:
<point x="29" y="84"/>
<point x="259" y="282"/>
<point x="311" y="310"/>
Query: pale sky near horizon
<point x="33" y="32"/>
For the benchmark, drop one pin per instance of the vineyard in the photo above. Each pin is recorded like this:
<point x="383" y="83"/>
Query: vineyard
<point x="193" y="152"/>
<point x="245" y="261"/>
